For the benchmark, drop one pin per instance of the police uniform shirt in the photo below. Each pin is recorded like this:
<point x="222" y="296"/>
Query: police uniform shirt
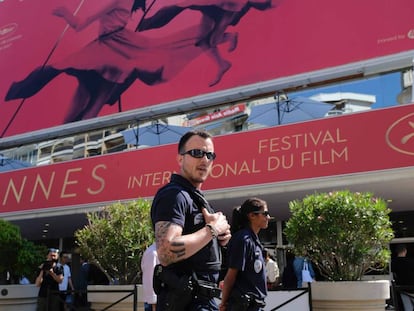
<point x="174" y="203"/>
<point x="245" y="254"/>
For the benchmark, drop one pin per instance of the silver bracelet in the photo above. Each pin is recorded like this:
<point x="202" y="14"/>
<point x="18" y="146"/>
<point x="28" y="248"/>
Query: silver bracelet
<point x="213" y="231"/>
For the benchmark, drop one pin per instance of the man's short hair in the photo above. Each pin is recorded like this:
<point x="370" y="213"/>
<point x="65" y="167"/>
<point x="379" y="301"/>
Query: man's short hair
<point x="188" y="135"/>
<point x="401" y="248"/>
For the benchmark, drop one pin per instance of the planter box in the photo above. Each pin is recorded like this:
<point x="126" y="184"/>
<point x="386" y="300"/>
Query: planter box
<point x="104" y="297"/>
<point x="18" y="297"/>
<point x="353" y="295"/>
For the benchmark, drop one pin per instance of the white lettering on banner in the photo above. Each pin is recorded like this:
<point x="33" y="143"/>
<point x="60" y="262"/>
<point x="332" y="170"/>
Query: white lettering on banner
<point x="12" y="187"/>
<point x="284" y="162"/>
<point x="99" y="179"/>
<point x="291" y="153"/>
<point x="319" y="157"/>
<point x="234" y="169"/>
<point x="149" y="179"/>
<point x="300" y="141"/>
<point x="44" y="185"/>
<point x="39" y="182"/>
<point x="272" y="155"/>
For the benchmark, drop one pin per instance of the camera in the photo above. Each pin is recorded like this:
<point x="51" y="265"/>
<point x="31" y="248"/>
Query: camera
<point x="47" y="265"/>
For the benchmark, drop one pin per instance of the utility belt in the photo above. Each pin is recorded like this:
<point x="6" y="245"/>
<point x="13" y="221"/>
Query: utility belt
<point x="207" y="289"/>
<point x="182" y="289"/>
<point x="242" y="302"/>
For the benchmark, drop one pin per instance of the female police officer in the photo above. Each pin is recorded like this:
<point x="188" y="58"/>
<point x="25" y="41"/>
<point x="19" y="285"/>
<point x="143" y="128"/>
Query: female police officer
<point x="244" y="286"/>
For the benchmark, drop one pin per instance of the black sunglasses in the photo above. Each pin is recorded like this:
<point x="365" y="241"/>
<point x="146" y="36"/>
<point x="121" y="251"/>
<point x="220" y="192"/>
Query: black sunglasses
<point x="265" y="213"/>
<point x="198" y="153"/>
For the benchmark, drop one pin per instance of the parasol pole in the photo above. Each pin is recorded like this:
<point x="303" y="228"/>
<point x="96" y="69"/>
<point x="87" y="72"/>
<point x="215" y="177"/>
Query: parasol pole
<point x="136" y="133"/>
<point x="277" y="97"/>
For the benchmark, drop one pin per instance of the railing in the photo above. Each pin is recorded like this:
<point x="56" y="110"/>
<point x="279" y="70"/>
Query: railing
<point x="289" y="299"/>
<point x="286" y="299"/>
<point x="75" y="293"/>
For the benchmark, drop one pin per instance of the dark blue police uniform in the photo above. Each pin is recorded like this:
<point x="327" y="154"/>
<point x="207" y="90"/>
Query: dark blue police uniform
<point x="245" y="254"/>
<point x="179" y="202"/>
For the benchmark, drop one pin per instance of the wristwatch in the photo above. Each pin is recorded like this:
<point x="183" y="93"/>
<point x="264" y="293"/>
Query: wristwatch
<point x="213" y="231"/>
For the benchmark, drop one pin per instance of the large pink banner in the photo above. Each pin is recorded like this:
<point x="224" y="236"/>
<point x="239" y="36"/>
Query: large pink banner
<point x="52" y="73"/>
<point x="363" y="142"/>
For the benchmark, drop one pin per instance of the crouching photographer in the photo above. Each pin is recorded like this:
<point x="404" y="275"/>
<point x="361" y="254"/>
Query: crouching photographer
<point x="49" y="276"/>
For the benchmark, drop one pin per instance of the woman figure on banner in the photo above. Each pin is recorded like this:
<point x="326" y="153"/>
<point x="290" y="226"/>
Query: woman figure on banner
<point x="216" y="18"/>
<point x="107" y="66"/>
<point x="300" y="264"/>
<point x="244" y="286"/>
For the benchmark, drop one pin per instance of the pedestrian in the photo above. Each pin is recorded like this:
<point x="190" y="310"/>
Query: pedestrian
<point x="67" y="280"/>
<point x="244" y="286"/>
<point x="301" y="263"/>
<point x="289" y="279"/>
<point x="49" y="276"/>
<point x="81" y="284"/>
<point x="402" y="268"/>
<point x="148" y="263"/>
<point x="272" y="270"/>
<point x="188" y="231"/>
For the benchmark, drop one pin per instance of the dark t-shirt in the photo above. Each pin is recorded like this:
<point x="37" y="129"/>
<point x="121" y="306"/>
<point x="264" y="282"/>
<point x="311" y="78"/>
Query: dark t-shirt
<point x="49" y="282"/>
<point x="177" y="202"/>
<point x="289" y="279"/>
<point x="403" y="270"/>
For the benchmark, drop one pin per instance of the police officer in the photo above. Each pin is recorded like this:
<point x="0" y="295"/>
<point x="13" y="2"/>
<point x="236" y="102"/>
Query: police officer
<point x="244" y="286"/>
<point x="188" y="231"/>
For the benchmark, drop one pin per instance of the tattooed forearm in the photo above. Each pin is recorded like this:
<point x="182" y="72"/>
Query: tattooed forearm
<point x="169" y="247"/>
<point x="178" y="248"/>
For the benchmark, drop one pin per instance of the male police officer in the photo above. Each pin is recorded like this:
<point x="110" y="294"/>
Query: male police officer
<point x="188" y="232"/>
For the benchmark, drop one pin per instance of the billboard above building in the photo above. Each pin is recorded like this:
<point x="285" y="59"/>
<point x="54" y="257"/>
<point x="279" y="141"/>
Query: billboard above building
<point x="67" y="61"/>
<point x="358" y="143"/>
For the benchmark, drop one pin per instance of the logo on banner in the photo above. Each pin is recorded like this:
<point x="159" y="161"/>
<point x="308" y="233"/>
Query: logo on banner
<point x="400" y="135"/>
<point x="7" y="30"/>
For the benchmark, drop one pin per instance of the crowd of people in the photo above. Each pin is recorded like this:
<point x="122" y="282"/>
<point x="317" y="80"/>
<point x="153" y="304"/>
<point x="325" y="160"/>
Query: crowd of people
<point x="58" y="290"/>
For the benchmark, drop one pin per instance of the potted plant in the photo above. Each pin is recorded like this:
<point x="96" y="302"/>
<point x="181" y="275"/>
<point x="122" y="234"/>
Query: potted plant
<point x="19" y="258"/>
<point x="346" y="235"/>
<point x="114" y="239"/>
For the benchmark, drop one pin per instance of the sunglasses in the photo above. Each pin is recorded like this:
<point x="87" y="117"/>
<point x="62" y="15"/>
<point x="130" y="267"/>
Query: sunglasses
<point x="265" y="213"/>
<point x="198" y="153"/>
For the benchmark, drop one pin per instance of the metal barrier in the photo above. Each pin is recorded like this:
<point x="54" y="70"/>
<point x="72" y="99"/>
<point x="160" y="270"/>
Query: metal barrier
<point x="274" y="300"/>
<point x="130" y="292"/>
<point x="278" y="299"/>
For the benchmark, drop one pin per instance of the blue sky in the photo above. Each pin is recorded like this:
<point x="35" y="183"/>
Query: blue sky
<point x="385" y="88"/>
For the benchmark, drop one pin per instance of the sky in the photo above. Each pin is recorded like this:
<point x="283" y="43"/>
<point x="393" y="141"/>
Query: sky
<point x="385" y="87"/>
